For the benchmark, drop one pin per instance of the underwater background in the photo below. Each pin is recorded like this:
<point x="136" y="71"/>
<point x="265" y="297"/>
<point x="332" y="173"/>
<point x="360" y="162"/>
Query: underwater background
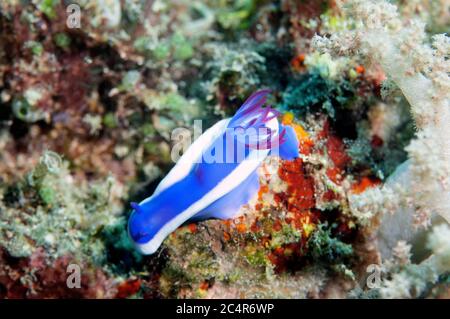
<point x="92" y="91"/>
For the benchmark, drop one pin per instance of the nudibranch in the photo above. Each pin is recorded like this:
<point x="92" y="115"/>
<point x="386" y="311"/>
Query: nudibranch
<point x="216" y="175"/>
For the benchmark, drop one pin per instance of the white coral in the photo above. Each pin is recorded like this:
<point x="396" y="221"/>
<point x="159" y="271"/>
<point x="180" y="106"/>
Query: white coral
<point x="402" y="253"/>
<point x="398" y="287"/>
<point x="439" y="243"/>
<point x="421" y="72"/>
<point x="413" y="279"/>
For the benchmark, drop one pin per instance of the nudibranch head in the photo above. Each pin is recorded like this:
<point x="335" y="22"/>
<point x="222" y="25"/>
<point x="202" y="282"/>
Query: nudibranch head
<point x="144" y="228"/>
<point x="138" y="228"/>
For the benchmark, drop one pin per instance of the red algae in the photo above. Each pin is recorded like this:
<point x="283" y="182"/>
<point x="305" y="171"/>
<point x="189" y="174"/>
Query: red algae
<point x="128" y="288"/>
<point x="300" y="192"/>
<point x="193" y="228"/>
<point x="298" y="63"/>
<point x="336" y="151"/>
<point x="364" y="183"/>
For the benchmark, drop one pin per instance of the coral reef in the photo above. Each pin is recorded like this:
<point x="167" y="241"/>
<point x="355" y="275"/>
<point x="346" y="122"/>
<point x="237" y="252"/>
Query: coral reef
<point x="87" y="114"/>
<point x="419" y="71"/>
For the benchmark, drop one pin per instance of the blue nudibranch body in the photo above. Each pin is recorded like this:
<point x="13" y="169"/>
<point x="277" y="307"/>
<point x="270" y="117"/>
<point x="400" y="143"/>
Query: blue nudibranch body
<point x="216" y="175"/>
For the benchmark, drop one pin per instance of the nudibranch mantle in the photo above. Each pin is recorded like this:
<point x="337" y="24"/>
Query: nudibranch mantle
<point x="196" y="189"/>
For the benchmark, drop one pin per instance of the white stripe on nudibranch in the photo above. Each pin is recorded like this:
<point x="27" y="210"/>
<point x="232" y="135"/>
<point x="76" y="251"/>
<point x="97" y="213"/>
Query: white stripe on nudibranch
<point x="192" y="155"/>
<point x="233" y="180"/>
<point x="186" y="162"/>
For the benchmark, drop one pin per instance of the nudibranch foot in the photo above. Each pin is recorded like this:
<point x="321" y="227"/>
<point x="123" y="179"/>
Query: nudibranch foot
<point x="229" y="205"/>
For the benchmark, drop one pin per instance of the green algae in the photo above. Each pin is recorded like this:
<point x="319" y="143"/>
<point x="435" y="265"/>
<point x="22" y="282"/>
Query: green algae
<point x="48" y="210"/>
